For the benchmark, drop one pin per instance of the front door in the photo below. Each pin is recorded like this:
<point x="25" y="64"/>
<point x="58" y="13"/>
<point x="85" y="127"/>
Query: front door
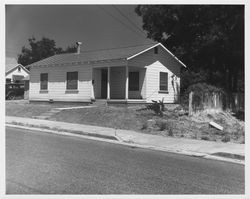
<point x="104" y="84"/>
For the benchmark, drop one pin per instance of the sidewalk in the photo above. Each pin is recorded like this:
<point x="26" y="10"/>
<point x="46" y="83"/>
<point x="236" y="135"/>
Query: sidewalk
<point x="200" y="148"/>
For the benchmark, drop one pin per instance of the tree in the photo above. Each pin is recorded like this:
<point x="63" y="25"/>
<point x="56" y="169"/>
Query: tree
<point x="41" y="49"/>
<point x="207" y="38"/>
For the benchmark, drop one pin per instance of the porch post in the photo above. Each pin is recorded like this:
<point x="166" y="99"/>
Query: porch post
<point x="126" y="85"/>
<point x="108" y="84"/>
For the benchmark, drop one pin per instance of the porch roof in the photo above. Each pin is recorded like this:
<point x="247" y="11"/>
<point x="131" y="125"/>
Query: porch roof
<point x="93" y="56"/>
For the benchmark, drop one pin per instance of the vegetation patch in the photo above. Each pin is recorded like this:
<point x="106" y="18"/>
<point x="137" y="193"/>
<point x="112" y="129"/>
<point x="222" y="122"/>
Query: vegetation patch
<point x="174" y="121"/>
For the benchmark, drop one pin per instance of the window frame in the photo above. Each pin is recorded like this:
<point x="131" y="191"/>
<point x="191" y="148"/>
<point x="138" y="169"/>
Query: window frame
<point x="161" y="89"/>
<point x="42" y="82"/>
<point x="136" y="85"/>
<point x="68" y="86"/>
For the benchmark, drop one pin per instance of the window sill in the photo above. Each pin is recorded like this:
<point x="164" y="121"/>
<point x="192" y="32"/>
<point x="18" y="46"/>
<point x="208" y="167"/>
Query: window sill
<point x="166" y="92"/>
<point x="72" y="91"/>
<point x="43" y="91"/>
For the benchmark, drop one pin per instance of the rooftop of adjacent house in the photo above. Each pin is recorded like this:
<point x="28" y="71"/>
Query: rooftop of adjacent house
<point x="95" y="55"/>
<point x="11" y="64"/>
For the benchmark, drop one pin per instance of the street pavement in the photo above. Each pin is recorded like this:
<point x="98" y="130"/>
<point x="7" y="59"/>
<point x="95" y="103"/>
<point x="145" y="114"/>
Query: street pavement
<point x="41" y="163"/>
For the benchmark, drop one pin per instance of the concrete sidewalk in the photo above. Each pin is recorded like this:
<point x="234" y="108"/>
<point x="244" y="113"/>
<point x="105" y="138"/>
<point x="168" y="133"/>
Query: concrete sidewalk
<point x="200" y="148"/>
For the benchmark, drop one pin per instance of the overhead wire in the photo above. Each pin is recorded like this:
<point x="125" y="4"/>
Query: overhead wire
<point x="120" y="21"/>
<point x="129" y="20"/>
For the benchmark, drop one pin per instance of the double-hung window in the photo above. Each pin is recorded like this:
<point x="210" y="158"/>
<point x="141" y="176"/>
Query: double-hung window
<point x="44" y="81"/>
<point x="163" y="82"/>
<point x="72" y="81"/>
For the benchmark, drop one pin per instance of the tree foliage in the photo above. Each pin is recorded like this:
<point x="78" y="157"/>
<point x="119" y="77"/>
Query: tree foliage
<point x="208" y="38"/>
<point x="41" y="49"/>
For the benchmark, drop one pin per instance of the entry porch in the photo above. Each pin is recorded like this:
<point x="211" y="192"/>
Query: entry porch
<point x="119" y="84"/>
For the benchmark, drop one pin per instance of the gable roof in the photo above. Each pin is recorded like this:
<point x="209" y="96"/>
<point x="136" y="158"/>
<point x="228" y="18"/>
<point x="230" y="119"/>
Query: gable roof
<point x="99" y="55"/>
<point x="11" y="67"/>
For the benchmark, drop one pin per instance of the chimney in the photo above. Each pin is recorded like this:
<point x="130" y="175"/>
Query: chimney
<point x="78" y="45"/>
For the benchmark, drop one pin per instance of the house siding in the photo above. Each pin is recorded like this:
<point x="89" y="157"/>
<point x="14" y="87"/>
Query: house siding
<point x="16" y="72"/>
<point x="153" y="79"/>
<point x="57" y="77"/>
<point x="154" y="64"/>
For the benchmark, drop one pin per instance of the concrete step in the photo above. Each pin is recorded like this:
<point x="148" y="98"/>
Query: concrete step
<point x="99" y="102"/>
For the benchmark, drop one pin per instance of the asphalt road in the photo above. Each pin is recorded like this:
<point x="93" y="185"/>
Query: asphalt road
<point x="40" y="163"/>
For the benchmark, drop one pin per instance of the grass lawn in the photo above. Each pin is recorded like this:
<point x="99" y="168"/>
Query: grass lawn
<point x="139" y="119"/>
<point x="22" y="108"/>
<point x="110" y="116"/>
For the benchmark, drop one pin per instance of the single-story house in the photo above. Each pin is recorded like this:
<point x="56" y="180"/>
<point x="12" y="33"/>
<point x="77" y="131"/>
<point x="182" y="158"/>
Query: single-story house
<point x="129" y="74"/>
<point x="14" y="72"/>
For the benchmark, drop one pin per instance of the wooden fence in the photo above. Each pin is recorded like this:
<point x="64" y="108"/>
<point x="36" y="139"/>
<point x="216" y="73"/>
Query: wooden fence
<point x="216" y="101"/>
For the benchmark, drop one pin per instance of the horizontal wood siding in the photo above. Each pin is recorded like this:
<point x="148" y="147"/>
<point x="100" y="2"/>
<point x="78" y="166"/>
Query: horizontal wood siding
<point x="117" y="82"/>
<point x="57" y="77"/>
<point x="16" y="72"/>
<point x="153" y="84"/>
<point x="154" y="64"/>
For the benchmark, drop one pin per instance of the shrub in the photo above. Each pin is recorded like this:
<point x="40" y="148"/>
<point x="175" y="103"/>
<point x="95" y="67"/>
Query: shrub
<point x="144" y="126"/>
<point x="157" y="107"/>
<point x="226" y="138"/>
<point x="162" y="125"/>
<point x="199" y="89"/>
<point x="170" y="132"/>
<point x="204" y="137"/>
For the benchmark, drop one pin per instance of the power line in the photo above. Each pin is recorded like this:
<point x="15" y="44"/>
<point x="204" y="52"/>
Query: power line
<point x="129" y="20"/>
<point x="118" y="20"/>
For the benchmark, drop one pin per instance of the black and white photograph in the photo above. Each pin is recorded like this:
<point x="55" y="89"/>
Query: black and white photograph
<point x="124" y="99"/>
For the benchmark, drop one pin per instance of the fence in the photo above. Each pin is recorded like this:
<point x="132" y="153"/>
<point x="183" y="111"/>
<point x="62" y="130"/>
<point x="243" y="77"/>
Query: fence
<point x="216" y="101"/>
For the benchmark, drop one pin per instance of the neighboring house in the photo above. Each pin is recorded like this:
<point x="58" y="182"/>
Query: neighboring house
<point x="131" y="74"/>
<point x="14" y="72"/>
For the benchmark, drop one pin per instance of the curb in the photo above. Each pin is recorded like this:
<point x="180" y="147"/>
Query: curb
<point x="19" y="124"/>
<point x="117" y="140"/>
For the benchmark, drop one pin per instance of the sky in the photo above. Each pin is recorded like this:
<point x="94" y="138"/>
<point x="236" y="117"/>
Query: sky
<point x="96" y="26"/>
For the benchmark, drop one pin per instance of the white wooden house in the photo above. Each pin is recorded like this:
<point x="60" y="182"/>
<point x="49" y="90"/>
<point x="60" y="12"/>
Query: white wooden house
<point x="132" y="74"/>
<point x="15" y="73"/>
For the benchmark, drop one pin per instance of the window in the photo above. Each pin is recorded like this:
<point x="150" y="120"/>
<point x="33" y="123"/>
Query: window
<point x="156" y="50"/>
<point x="134" y="81"/>
<point x="72" y="80"/>
<point x="163" y="81"/>
<point x="19" y="69"/>
<point x="8" y="80"/>
<point x="44" y="81"/>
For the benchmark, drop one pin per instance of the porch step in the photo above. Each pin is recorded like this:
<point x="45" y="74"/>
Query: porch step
<point x="100" y="103"/>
